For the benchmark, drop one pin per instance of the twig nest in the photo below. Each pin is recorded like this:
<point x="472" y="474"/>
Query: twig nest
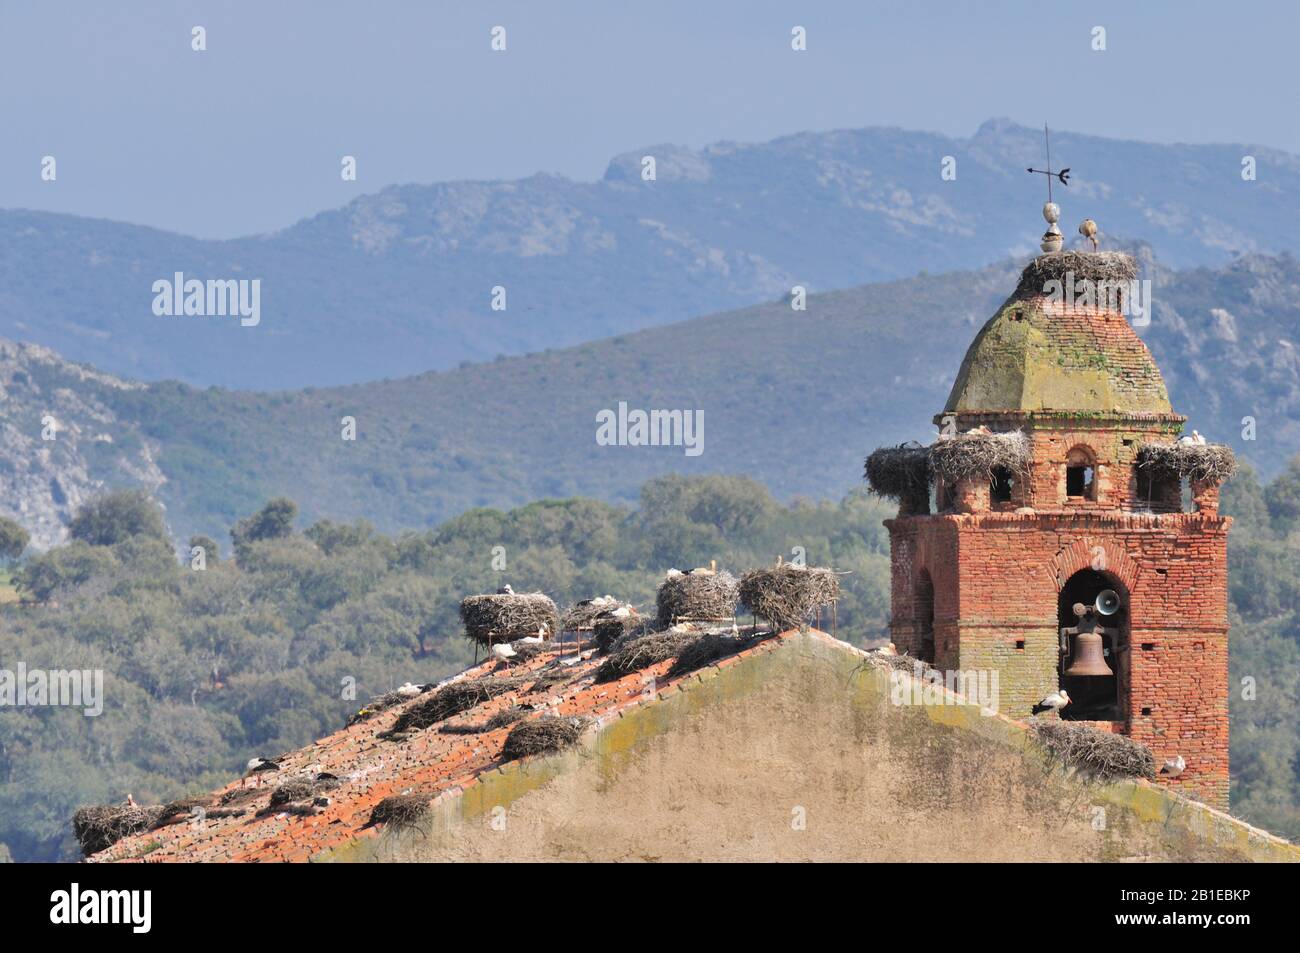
<point x="582" y="616"/>
<point x="614" y="625"/>
<point x="400" y="809"/>
<point x="978" y="453"/>
<point x="788" y="596"/>
<point x="452" y="699"/>
<point x="700" y="595"/>
<point x="900" y="473"/>
<point x="100" y="826"/>
<point x="504" y="617"/>
<point x="542" y="736"/>
<point x="1108" y="268"/>
<point x="1104" y="756"/>
<point x="1209" y="463"/>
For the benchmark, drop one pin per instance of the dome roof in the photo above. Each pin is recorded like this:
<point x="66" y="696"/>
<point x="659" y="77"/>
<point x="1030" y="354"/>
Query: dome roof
<point x="1039" y="353"/>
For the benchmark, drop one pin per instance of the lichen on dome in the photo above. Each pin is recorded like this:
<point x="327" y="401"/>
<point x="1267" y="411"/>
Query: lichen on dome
<point x="1039" y="354"/>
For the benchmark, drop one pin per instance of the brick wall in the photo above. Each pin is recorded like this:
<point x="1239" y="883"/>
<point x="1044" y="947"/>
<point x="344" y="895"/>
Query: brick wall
<point x="997" y="577"/>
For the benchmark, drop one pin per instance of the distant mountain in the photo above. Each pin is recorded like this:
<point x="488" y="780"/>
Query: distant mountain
<point x="794" y="399"/>
<point x="400" y="282"/>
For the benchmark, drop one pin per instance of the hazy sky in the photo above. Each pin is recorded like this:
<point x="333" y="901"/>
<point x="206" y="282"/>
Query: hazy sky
<point x="248" y="135"/>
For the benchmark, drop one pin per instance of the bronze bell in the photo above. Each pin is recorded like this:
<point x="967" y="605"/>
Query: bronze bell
<point x="1089" y="656"/>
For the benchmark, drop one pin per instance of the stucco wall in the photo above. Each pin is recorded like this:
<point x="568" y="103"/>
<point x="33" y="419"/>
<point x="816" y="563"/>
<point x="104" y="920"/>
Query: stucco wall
<point x="799" y="754"/>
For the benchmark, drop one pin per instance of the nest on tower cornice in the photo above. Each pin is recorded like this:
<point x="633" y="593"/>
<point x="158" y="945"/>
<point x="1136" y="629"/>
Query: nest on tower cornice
<point x="1105" y="269"/>
<point x="899" y="473"/>
<point x="1200" y="463"/>
<point x="978" y="453"/>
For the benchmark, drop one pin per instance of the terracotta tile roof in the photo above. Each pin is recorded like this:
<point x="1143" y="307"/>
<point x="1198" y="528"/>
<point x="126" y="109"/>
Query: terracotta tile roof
<point x="372" y="768"/>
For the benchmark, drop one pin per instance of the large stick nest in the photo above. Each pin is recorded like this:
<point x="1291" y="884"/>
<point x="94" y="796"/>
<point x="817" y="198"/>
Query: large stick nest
<point x="505" y="617"/>
<point x="301" y="788"/>
<point x="452" y="699"/>
<point x="542" y="736"/>
<point x="642" y="652"/>
<point x="1104" y="756"/>
<point x="1107" y="270"/>
<point x="582" y="616"/>
<point x="977" y="454"/>
<point x="609" y="629"/>
<point x="698" y="595"/>
<point x="100" y="826"/>
<point x="900" y="473"/>
<point x="1209" y="463"/>
<point x="788" y="596"/>
<point x="400" y="809"/>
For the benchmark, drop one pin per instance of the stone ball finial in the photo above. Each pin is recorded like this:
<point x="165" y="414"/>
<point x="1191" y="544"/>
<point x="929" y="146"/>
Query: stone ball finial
<point x="1051" y="212"/>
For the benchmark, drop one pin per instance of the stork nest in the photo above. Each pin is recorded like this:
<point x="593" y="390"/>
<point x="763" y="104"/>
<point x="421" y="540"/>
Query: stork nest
<point x="1106" y="270"/>
<point x="495" y="618"/>
<point x="542" y="736"/>
<point x="399" y="810"/>
<point x="100" y="826"/>
<point x="705" y="650"/>
<point x="642" y="652"/>
<point x="701" y="595"/>
<point x="179" y="807"/>
<point x="788" y="596"/>
<point x="1207" y="463"/>
<point x="582" y="616"/>
<point x="1100" y="754"/>
<point x="451" y="699"/>
<point x="506" y="716"/>
<point x="608" y="630"/>
<point x="900" y="473"/>
<point x="301" y="788"/>
<point x="979" y="454"/>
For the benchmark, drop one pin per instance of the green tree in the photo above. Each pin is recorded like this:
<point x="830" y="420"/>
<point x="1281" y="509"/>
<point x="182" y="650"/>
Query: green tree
<point x="117" y="516"/>
<point x="13" y="539"/>
<point x="272" y="521"/>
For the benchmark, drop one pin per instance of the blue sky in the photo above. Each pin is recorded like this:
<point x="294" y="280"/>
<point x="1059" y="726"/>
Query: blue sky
<point x="247" y="136"/>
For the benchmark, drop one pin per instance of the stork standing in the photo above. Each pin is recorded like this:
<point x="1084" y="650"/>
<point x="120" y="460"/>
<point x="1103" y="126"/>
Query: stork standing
<point x="1088" y="229"/>
<point x="1053" y="702"/>
<point x="258" y="767"/>
<point x="1174" y="767"/>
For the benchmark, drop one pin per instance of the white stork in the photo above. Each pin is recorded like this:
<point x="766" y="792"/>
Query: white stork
<point x="1053" y="702"/>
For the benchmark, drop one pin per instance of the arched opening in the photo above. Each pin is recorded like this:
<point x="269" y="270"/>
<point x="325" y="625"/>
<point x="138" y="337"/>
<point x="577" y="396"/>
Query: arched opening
<point x="925" y="617"/>
<point x="1080" y="474"/>
<point x="1093" y="697"/>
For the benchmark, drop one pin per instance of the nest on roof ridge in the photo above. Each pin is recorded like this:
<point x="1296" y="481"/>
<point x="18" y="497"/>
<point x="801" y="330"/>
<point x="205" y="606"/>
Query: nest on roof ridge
<point x="582" y="616"/>
<point x="642" y="652"/>
<point x="1208" y="462"/>
<point x="788" y="596"/>
<point x="698" y="595"/>
<point x="506" y="716"/>
<point x="978" y="454"/>
<point x="1100" y="754"/>
<point x="900" y="473"/>
<point x="398" y="810"/>
<point x="609" y="629"/>
<point x="1106" y="269"/>
<point x="452" y="699"/>
<point x="100" y="826"/>
<point x="542" y="736"/>
<point x="301" y="788"/>
<point x="504" y="617"/>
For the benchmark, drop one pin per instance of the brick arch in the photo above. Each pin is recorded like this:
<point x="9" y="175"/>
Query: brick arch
<point x="1080" y="555"/>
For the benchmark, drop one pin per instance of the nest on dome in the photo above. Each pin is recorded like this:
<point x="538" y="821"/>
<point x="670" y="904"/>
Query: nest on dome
<point x="1199" y="463"/>
<point x="1103" y="268"/>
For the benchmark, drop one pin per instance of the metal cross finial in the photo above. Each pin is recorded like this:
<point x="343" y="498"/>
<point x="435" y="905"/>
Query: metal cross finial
<point x="1063" y="175"/>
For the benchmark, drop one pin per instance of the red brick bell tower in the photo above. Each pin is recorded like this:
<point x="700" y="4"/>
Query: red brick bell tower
<point x="1057" y="475"/>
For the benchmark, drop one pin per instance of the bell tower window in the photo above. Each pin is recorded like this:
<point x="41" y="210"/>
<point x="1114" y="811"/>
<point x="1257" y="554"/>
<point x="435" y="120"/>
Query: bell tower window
<point x="1080" y="475"/>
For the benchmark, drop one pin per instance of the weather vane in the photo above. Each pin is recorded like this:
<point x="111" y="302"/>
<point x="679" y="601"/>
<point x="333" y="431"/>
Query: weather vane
<point x="1053" y="240"/>
<point x="1063" y="174"/>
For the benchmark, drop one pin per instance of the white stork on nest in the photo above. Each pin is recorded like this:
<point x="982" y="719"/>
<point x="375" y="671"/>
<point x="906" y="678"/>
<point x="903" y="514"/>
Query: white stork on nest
<point x="506" y="590"/>
<point x="1193" y="439"/>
